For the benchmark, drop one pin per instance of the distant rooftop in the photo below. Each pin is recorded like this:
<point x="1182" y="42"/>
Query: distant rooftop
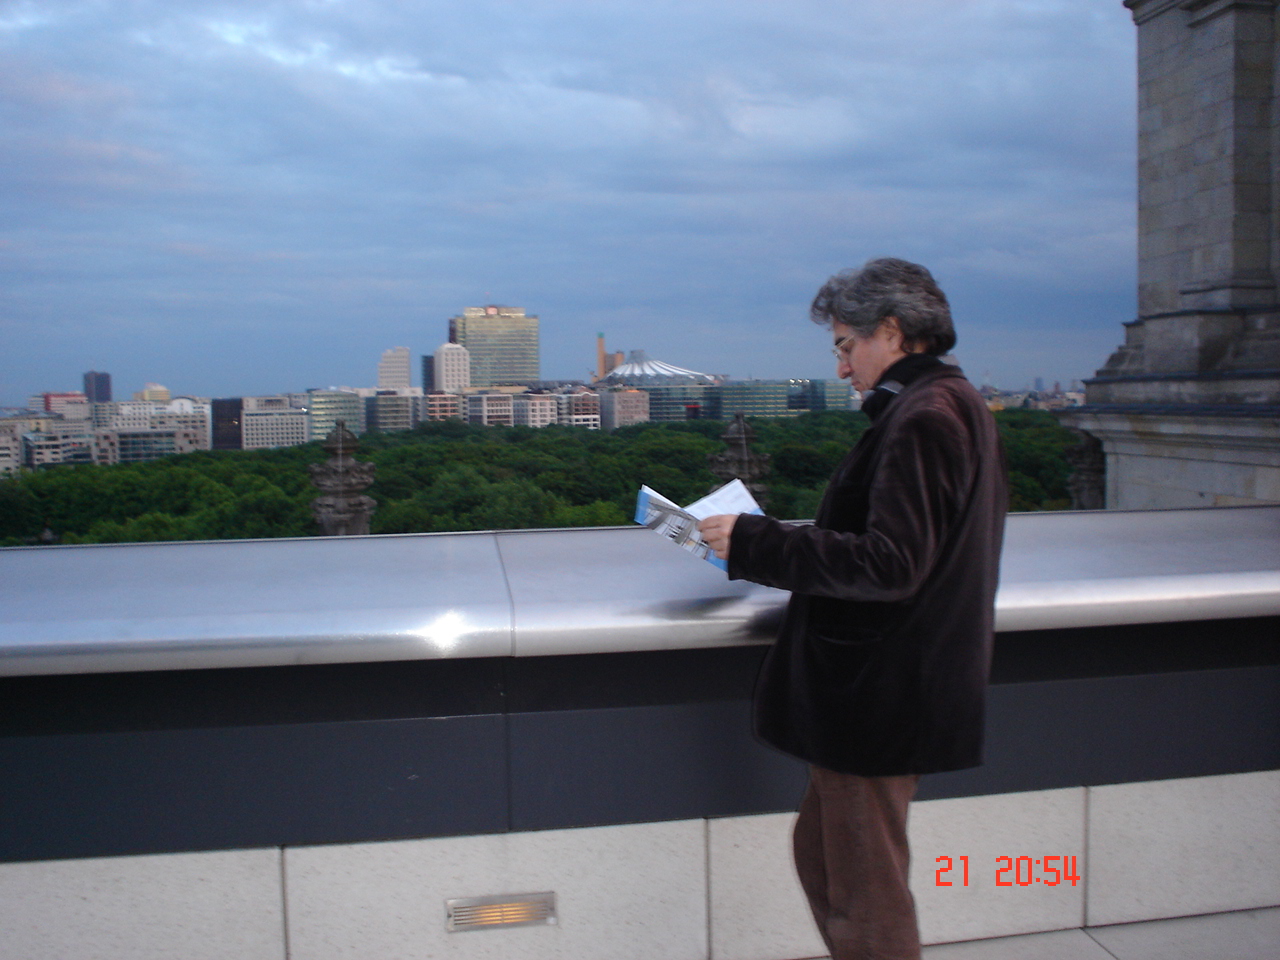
<point x="640" y="371"/>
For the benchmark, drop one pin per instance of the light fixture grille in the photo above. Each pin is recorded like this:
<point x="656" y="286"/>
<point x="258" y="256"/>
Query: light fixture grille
<point x="505" y="910"/>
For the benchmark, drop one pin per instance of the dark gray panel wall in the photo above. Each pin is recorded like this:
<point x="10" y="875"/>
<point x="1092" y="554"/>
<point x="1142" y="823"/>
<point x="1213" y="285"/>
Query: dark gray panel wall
<point x="200" y="760"/>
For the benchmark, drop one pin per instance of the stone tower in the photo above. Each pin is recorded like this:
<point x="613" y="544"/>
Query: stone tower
<point x="1186" y="409"/>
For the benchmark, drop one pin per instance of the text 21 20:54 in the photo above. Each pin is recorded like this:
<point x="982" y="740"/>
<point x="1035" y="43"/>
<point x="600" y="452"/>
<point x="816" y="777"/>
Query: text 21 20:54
<point x="1011" y="871"/>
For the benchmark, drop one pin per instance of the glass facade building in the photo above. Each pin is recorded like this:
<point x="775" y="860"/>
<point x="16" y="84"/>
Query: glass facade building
<point x="820" y="395"/>
<point x="503" y="345"/>
<point x="327" y="407"/>
<point x="756" y="398"/>
<point x="228" y="423"/>
<point x="683" y="401"/>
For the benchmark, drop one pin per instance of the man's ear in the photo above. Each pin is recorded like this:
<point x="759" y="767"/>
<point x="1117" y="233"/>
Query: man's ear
<point x="893" y="330"/>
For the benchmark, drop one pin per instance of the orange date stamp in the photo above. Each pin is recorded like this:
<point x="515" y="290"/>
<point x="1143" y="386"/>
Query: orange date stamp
<point x="1010" y="871"/>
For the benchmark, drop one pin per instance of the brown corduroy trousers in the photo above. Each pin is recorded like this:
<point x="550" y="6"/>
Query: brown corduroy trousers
<point x="851" y="854"/>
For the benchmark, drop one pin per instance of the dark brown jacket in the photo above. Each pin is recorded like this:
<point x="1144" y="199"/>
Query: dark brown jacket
<point x="882" y="659"/>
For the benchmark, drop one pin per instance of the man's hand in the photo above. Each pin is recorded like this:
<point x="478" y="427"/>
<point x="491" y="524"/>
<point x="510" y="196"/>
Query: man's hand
<point x="716" y="531"/>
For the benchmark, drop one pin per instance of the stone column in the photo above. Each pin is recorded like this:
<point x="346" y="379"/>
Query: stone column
<point x="1186" y="408"/>
<point x="1207" y="231"/>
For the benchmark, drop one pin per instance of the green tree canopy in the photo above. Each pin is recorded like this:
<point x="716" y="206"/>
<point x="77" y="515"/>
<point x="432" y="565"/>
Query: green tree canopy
<point x="449" y="475"/>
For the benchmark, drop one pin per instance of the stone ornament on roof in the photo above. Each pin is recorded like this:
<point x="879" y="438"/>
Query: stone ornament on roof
<point x="740" y="462"/>
<point x="342" y="510"/>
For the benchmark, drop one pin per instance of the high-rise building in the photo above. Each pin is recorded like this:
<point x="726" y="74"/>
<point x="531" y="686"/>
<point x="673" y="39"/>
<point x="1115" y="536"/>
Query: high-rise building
<point x="97" y="386"/>
<point x="394" y="370"/>
<point x="503" y="342"/>
<point x="451" y="368"/>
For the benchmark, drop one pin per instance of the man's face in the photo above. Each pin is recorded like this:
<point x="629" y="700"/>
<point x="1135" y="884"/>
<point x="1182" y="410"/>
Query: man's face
<point x="862" y="360"/>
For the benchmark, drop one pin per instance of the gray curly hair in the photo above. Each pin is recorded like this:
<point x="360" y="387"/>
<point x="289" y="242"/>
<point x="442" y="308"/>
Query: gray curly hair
<point x="862" y="299"/>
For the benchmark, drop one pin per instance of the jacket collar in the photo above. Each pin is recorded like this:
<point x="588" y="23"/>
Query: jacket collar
<point x="898" y="376"/>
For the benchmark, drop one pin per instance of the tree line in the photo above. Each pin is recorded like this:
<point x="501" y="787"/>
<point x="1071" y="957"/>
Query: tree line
<point x="448" y="475"/>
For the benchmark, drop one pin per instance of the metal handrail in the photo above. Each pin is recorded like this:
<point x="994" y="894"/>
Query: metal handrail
<point x="238" y="603"/>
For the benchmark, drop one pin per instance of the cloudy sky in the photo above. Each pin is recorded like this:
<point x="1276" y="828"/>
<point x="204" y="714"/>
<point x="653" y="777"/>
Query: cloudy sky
<point x="253" y="197"/>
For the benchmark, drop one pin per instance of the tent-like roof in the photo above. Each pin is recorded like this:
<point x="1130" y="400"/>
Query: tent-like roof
<point x="640" y="371"/>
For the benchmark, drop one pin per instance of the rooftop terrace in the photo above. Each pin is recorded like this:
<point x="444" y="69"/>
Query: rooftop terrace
<point x="303" y="748"/>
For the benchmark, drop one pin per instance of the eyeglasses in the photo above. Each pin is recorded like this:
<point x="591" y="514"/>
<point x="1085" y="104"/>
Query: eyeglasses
<point x="842" y="347"/>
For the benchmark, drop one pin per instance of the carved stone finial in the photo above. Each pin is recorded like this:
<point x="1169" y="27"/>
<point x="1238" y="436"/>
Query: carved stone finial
<point x="740" y="462"/>
<point x="342" y="510"/>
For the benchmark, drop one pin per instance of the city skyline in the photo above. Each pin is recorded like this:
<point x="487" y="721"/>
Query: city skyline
<point x="1036" y="384"/>
<point x="239" y="199"/>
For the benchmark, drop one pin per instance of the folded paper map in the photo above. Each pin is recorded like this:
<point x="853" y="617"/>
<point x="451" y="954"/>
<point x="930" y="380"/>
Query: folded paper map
<point x="680" y="524"/>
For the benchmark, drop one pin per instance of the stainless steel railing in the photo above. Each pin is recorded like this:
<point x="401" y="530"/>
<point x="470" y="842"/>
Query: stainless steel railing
<point x="83" y="609"/>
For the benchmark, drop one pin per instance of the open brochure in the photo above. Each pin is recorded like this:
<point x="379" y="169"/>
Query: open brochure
<point x="680" y="524"/>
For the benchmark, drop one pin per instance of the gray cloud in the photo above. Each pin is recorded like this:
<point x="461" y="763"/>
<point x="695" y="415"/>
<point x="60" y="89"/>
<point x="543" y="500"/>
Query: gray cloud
<point x="255" y="196"/>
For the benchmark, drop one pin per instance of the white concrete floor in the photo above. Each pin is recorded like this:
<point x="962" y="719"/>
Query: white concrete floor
<point x="1240" y="935"/>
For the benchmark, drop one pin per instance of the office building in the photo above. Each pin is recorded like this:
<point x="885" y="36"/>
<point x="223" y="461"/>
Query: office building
<point x="137" y="446"/>
<point x="442" y="406"/>
<point x="452" y="368"/>
<point x="394" y="369"/>
<point x="579" y="408"/>
<point x="10" y="446"/>
<point x="490" y="409"/>
<point x="326" y="407"/>
<point x="54" y="402"/>
<point x="503" y="343"/>
<point x="10" y="453"/>
<point x="390" y="411"/>
<point x="155" y="392"/>
<point x="226" y="426"/>
<point x="534" y="409"/>
<point x="183" y="414"/>
<point x="756" y="398"/>
<point x="623" y="406"/>
<point x="97" y="386"/>
<point x="819" y="395"/>
<point x="271" y="422"/>
<point x="59" y="443"/>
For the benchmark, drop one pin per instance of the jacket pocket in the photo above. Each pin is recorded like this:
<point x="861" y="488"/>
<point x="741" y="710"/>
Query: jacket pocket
<point x="844" y="623"/>
<point x="857" y="636"/>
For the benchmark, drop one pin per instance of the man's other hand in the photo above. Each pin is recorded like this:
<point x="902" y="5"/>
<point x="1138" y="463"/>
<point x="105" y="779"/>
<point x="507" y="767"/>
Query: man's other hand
<point x="716" y="531"/>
